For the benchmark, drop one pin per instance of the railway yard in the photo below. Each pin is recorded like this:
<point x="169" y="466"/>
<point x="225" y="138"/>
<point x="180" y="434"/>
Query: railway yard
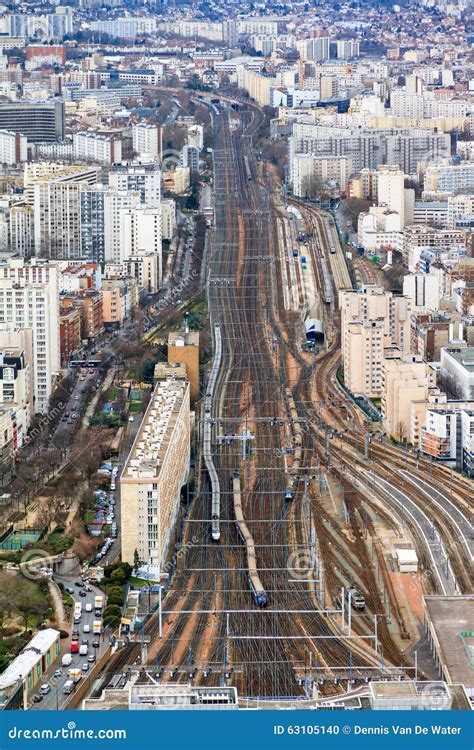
<point x="286" y="582"/>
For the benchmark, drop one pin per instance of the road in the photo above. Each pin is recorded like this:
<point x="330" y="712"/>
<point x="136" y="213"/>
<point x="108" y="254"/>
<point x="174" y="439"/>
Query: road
<point x="56" y="699"/>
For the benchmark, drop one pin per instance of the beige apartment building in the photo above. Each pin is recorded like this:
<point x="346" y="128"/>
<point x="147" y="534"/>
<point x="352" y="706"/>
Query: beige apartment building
<point x="405" y="378"/>
<point x="371" y="320"/>
<point x="154" y="473"/>
<point x="183" y="348"/>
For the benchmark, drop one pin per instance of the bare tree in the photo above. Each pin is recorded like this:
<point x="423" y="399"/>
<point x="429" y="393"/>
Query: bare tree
<point x="401" y="431"/>
<point x="352" y="207"/>
<point x="450" y="385"/>
<point x="312" y="186"/>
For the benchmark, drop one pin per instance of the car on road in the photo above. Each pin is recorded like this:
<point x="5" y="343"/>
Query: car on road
<point x="95" y="643"/>
<point x="85" y="666"/>
<point x="70" y="590"/>
<point x="87" y="628"/>
<point x="79" y="584"/>
<point x="82" y="593"/>
<point x="91" y="658"/>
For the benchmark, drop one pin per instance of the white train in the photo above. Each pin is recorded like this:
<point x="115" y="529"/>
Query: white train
<point x="298" y="443"/>
<point x="328" y="295"/>
<point x="258" y="591"/>
<point x="211" y="469"/>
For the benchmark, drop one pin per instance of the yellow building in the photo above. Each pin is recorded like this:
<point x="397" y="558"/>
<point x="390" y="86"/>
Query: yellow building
<point x="404" y="379"/>
<point x="183" y="348"/>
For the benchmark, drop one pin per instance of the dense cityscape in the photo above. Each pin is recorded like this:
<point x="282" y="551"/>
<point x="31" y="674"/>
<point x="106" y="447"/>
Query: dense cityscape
<point x="236" y="355"/>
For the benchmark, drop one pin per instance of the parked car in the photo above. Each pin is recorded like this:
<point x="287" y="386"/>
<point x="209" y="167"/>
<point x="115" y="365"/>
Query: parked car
<point x="82" y="593"/>
<point x="58" y="672"/>
<point x="37" y="698"/>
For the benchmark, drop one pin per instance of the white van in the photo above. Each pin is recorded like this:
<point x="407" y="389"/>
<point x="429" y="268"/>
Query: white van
<point x="66" y="660"/>
<point x="68" y="687"/>
<point x="83" y="649"/>
<point x="88" y="607"/>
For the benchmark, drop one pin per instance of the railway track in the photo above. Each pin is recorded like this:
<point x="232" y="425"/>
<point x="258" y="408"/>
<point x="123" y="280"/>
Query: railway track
<point x="214" y="630"/>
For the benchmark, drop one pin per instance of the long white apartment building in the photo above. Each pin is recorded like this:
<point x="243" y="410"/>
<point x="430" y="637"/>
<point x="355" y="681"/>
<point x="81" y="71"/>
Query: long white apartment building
<point x="140" y="231"/>
<point x="449" y="178"/>
<point x="144" y="178"/>
<point x="423" y="105"/>
<point x="116" y="201"/>
<point x="371" y="320"/>
<point x="369" y="147"/>
<point x="168" y="218"/>
<point x="56" y="199"/>
<point x="154" y="473"/>
<point x="92" y="146"/>
<point x="147" y="139"/>
<point x="13" y="147"/>
<point x="29" y="299"/>
<point x="15" y="388"/>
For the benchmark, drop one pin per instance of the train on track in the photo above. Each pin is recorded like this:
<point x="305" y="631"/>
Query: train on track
<point x="298" y="443"/>
<point x="328" y="295"/>
<point x="248" y="171"/>
<point x="210" y="466"/>
<point x="355" y="599"/>
<point x="256" y="586"/>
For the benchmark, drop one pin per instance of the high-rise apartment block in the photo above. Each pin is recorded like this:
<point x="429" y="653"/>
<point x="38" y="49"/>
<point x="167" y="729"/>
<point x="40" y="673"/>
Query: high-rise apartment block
<point x="371" y="319"/>
<point x="29" y="299"/>
<point x="146" y="139"/>
<point x="154" y="473"/>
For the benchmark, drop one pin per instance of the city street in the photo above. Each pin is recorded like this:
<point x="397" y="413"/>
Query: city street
<point x="56" y="699"/>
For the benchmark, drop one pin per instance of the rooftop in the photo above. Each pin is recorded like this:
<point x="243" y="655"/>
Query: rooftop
<point x="183" y="338"/>
<point x="465" y="356"/>
<point x="24" y="662"/>
<point x="154" y="696"/>
<point x="153" y="438"/>
<point x="451" y="617"/>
